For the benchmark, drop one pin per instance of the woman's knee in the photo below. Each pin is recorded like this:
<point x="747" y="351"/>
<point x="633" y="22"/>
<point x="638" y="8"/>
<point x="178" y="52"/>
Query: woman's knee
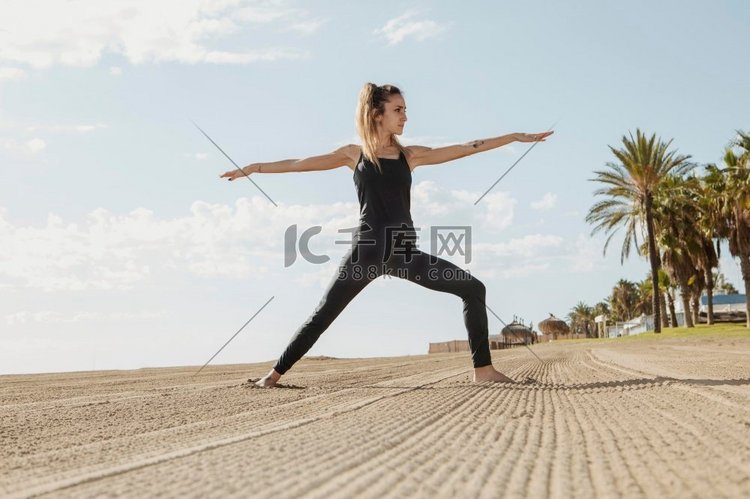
<point x="478" y="288"/>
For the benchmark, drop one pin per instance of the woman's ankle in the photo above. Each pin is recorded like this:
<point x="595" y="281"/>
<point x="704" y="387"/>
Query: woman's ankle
<point x="484" y="369"/>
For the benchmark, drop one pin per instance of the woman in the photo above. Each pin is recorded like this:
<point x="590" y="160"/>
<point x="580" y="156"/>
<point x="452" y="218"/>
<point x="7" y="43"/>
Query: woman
<point x="382" y="170"/>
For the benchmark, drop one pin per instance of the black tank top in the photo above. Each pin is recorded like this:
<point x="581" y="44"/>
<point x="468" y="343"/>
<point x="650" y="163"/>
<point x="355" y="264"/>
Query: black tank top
<point x="384" y="198"/>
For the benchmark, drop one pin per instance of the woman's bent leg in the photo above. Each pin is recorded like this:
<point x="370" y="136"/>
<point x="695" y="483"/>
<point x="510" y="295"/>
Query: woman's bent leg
<point x="350" y="279"/>
<point x="441" y="275"/>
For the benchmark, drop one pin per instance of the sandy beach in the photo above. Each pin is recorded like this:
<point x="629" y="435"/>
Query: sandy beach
<point x="656" y="418"/>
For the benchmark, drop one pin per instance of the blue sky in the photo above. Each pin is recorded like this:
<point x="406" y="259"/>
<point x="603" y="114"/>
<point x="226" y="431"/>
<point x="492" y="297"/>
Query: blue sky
<point x="121" y="247"/>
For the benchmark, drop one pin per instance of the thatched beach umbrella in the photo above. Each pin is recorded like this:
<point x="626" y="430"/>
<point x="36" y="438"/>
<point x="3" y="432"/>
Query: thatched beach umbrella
<point x="554" y="326"/>
<point x="515" y="328"/>
<point x="518" y="331"/>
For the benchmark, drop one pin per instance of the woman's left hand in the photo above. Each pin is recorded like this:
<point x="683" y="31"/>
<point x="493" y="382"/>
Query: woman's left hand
<point x="533" y="137"/>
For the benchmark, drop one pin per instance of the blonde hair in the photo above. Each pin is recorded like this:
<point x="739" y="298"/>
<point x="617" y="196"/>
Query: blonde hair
<point x="371" y="103"/>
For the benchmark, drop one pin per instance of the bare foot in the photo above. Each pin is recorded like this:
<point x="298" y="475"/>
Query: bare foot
<point x="488" y="373"/>
<point x="269" y="380"/>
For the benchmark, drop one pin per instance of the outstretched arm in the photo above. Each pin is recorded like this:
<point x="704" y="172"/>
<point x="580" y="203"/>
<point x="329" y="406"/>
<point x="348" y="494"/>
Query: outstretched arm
<point x="421" y="155"/>
<point x="342" y="156"/>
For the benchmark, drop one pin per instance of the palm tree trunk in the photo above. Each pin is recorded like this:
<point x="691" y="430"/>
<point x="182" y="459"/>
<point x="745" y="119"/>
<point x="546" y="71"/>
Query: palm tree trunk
<point x="710" y="295"/>
<point x="695" y="298"/>
<point x="672" y="311"/>
<point x="653" y="257"/>
<point x="745" y="268"/>
<point x="685" y="295"/>
<point x="664" y="317"/>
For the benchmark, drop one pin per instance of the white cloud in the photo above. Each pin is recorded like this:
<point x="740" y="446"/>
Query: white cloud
<point x="488" y="269"/>
<point x="115" y="71"/>
<point x="509" y="148"/>
<point x="499" y="209"/>
<point x="8" y="73"/>
<point x="35" y="145"/>
<point x="428" y="199"/>
<point x="199" y="156"/>
<point x="23" y="149"/>
<point x="398" y="29"/>
<point x="52" y="317"/>
<point x="495" y="211"/>
<point x="321" y="276"/>
<point x="79" y="33"/>
<point x="263" y="13"/>
<point x="31" y="147"/>
<point x="81" y="128"/>
<point x="109" y="251"/>
<point x="306" y="27"/>
<point x="548" y="201"/>
<point x="520" y="270"/>
<point x="586" y="254"/>
<point x="527" y="246"/>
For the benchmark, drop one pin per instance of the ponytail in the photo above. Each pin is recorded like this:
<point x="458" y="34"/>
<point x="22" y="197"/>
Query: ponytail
<point x="371" y="103"/>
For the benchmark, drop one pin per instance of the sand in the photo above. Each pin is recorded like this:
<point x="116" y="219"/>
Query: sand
<point x="667" y="418"/>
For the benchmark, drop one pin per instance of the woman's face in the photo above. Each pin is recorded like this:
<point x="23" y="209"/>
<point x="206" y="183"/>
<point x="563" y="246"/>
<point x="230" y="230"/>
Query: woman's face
<point x="394" y="117"/>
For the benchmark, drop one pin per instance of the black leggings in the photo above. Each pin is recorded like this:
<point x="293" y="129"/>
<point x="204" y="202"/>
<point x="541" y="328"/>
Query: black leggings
<point x="371" y="257"/>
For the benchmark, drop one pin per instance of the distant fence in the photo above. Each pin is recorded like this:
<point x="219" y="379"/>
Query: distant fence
<point x="450" y="346"/>
<point x="463" y="346"/>
<point x="570" y="336"/>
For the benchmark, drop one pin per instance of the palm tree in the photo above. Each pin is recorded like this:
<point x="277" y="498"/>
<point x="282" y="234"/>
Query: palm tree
<point x="675" y="211"/>
<point x="665" y="283"/>
<point x="646" y="288"/>
<point x="681" y="268"/>
<point x="707" y="260"/>
<point x="630" y="186"/>
<point x="697" y="284"/>
<point x="623" y="300"/>
<point x="711" y="226"/>
<point x="733" y="199"/>
<point x="581" y="319"/>
<point x="645" y="300"/>
<point x="686" y="225"/>
<point x="662" y="301"/>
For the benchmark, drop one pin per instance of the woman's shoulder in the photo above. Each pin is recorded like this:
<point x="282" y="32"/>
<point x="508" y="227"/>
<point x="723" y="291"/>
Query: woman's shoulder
<point x="351" y="152"/>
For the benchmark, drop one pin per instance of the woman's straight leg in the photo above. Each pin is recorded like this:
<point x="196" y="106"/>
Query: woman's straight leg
<point x="351" y="277"/>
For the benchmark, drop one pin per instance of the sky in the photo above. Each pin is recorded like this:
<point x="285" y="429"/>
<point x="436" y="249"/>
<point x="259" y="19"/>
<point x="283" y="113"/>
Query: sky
<point x="121" y="248"/>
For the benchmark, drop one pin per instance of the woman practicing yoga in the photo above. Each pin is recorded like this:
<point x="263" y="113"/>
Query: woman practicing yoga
<point x="384" y="241"/>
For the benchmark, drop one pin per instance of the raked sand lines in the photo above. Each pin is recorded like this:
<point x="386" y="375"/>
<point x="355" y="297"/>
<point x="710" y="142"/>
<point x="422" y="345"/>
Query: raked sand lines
<point x="601" y="419"/>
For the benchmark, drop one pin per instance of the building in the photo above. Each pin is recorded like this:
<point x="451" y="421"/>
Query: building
<point x="641" y="324"/>
<point x="725" y="304"/>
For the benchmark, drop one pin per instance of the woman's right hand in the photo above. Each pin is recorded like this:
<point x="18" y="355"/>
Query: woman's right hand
<point x="533" y="137"/>
<point x="234" y="174"/>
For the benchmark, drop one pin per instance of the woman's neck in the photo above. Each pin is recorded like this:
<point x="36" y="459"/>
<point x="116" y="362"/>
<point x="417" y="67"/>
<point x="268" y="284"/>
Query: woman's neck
<point x="385" y="141"/>
<point x="386" y="145"/>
